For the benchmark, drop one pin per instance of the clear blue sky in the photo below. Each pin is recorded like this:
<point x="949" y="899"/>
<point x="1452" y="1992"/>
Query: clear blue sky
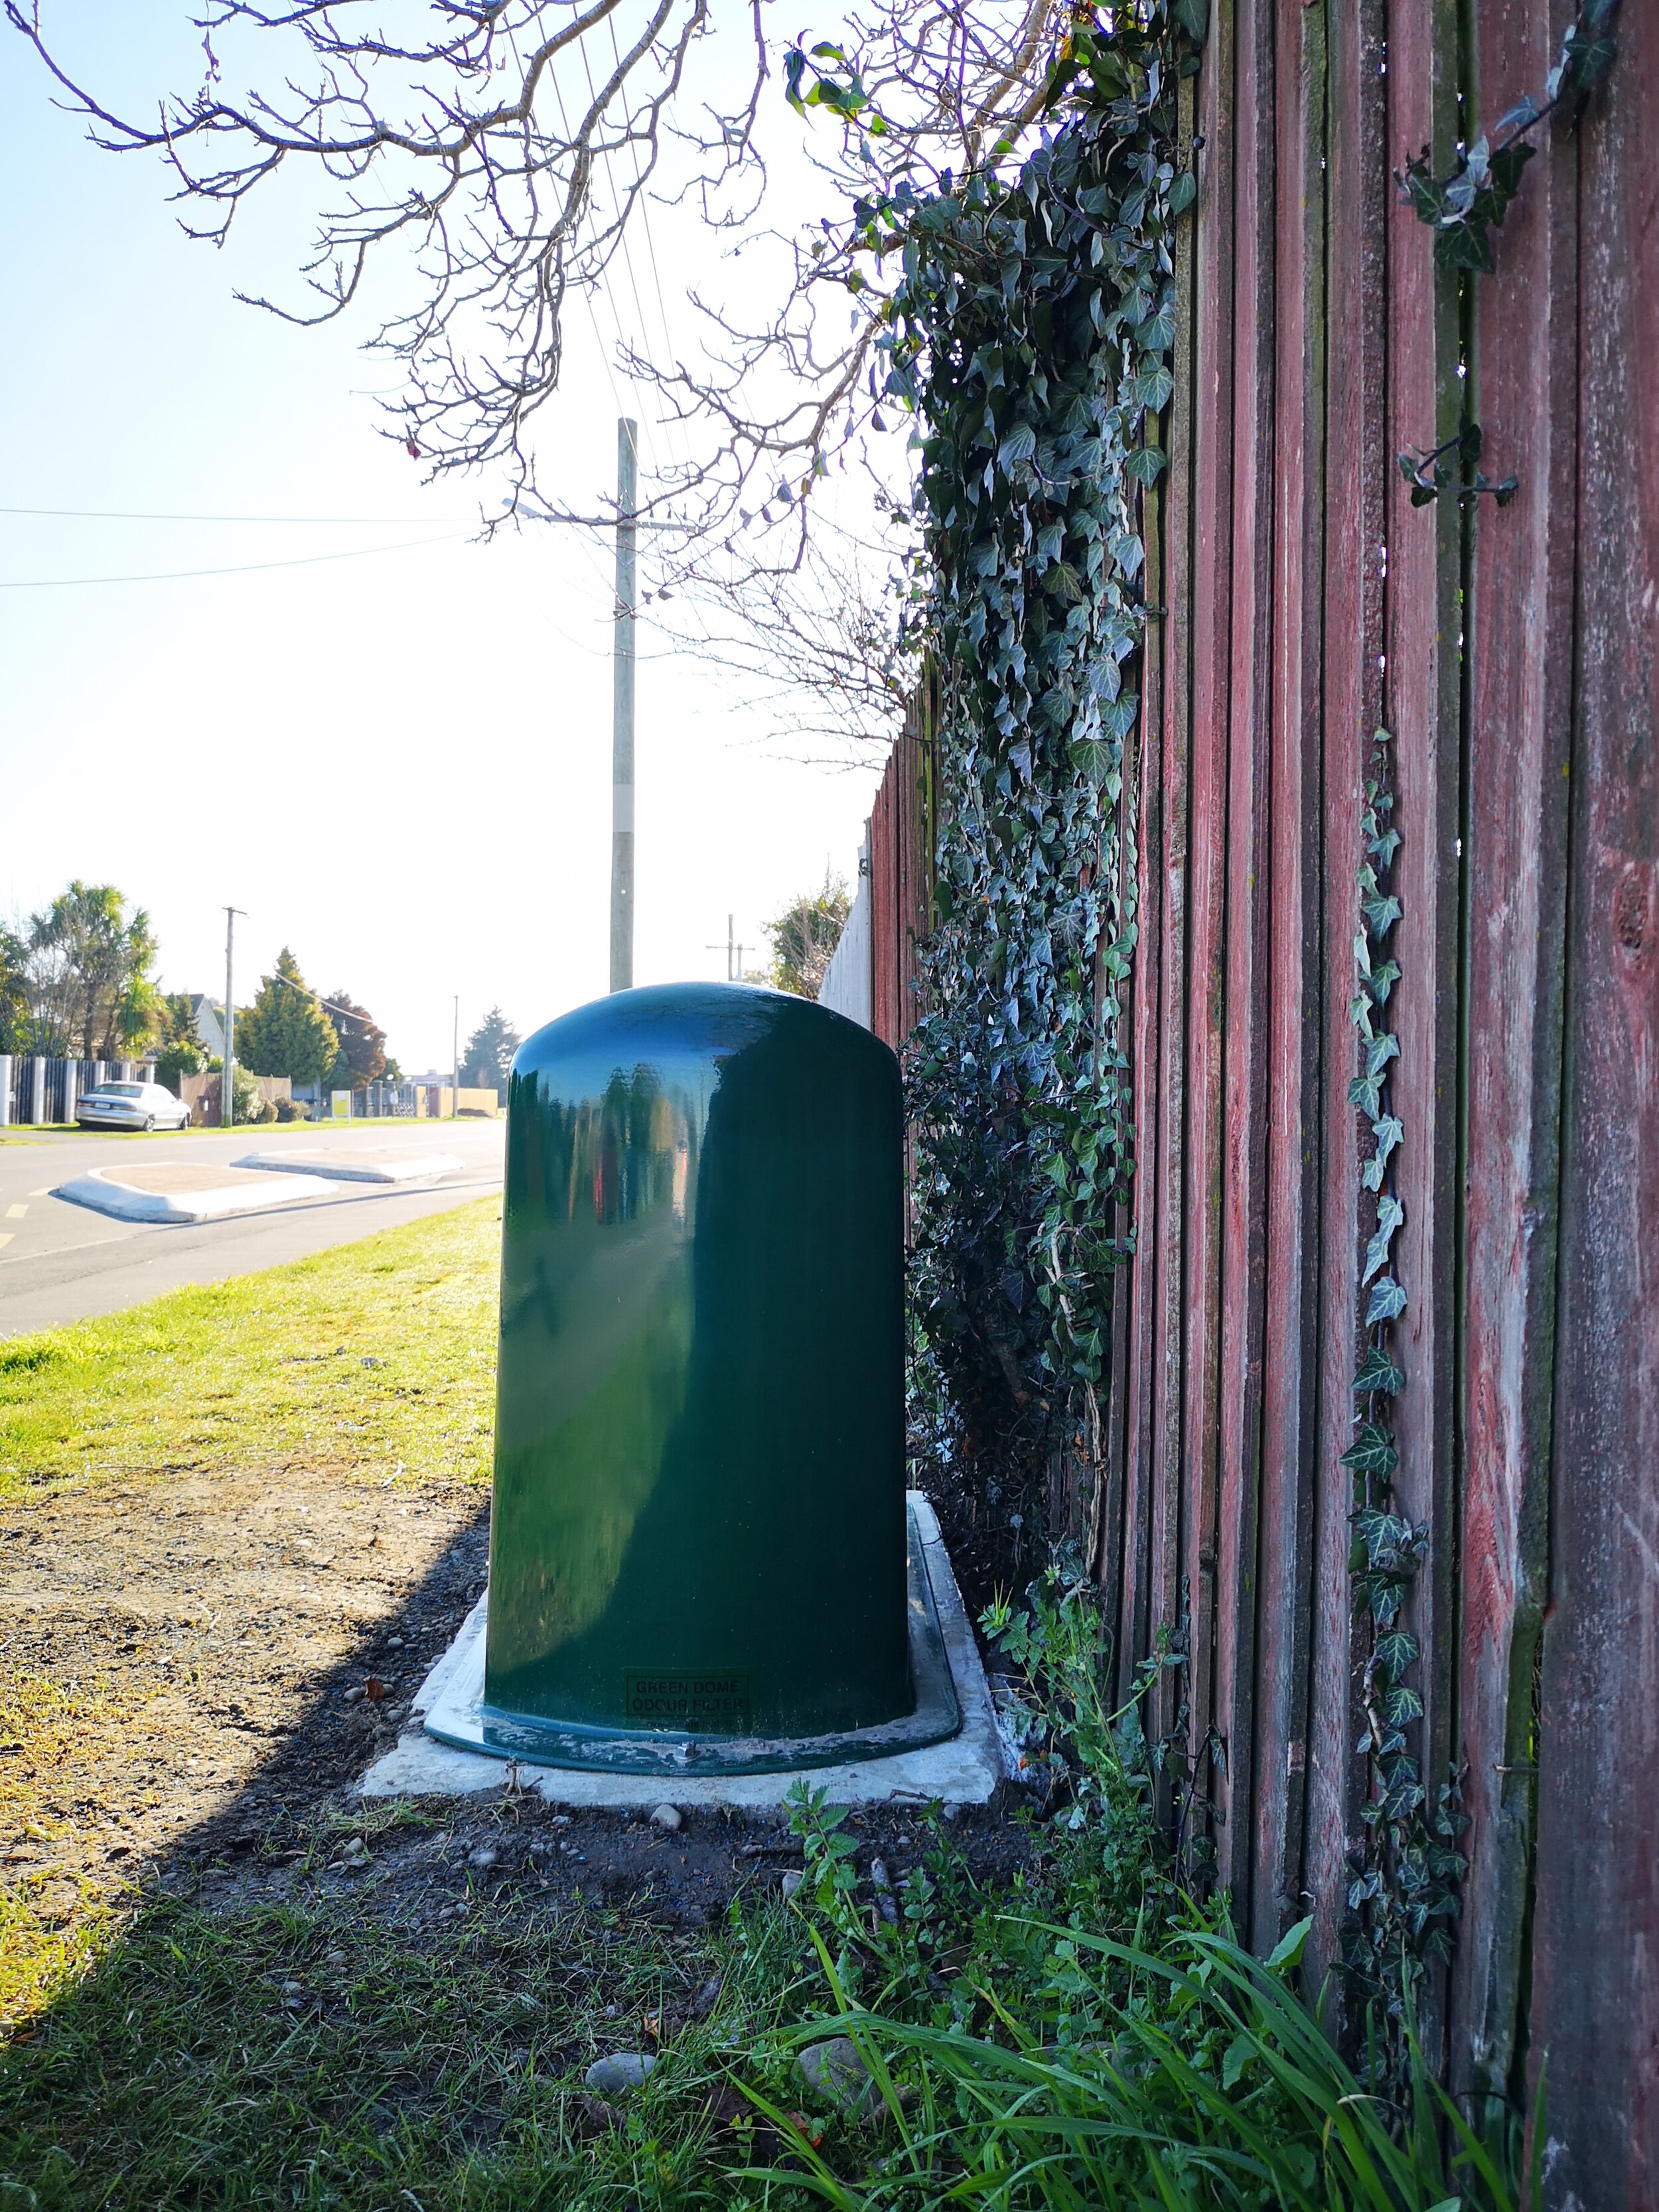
<point x="397" y="764"/>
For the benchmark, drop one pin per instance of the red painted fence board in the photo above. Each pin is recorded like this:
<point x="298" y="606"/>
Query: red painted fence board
<point x="1513" y="654"/>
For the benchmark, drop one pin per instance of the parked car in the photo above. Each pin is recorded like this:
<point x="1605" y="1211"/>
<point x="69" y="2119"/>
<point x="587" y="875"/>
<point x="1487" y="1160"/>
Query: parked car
<point x="132" y="1106"/>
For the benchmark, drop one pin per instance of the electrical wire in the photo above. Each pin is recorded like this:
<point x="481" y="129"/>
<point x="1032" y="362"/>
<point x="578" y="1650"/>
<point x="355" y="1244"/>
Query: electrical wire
<point x="354" y="521"/>
<point x="243" y="568"/>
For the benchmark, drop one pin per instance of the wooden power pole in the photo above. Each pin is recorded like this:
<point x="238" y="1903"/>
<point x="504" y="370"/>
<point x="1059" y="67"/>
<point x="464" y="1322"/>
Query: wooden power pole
<point x="621" y="720"/>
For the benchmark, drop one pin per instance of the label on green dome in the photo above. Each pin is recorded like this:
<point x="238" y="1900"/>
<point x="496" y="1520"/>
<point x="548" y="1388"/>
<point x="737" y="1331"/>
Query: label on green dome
<point x="706" y="1702"/>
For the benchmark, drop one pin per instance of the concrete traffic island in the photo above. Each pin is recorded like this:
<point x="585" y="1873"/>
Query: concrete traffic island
<point x="183" y="1191"/>
<point x="965" y="1768"/>
<point x="343" y="1163"/>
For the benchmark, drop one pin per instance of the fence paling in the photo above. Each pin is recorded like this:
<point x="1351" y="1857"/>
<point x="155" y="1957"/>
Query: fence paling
<point x="1308" y="602"/>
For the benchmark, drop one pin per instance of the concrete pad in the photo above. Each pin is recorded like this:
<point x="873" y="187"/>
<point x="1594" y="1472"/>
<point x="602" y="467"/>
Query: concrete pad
<point x="186" y="1190"/>
<point x="967" y="1769"/>
<point x="345" y="1164"/>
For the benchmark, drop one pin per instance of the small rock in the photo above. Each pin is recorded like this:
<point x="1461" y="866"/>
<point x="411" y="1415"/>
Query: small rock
<point x="665" y="1817"/>
<point x="335" y="1958"/>
<point x="355" y="1695"/>
<point x="622" y="2071"/>
<point x="837" y="2072"/>
<point x="294" y="1988"/>
<point x="950" y="1810"/>
<point x="354" y="1851"/>
<point x="485" y="1855"/>
<point x="792" y="1880"/>
<point x="882" y="1883"/>
<point x="560" y="1820"/>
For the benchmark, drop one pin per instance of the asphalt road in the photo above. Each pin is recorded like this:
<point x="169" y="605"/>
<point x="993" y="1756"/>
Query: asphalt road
<point x="61" y="1262"/>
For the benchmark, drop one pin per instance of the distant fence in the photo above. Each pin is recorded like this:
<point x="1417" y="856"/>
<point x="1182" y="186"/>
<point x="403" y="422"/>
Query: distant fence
<point x="39" y="1091"/>
<point x="875" y="976"/>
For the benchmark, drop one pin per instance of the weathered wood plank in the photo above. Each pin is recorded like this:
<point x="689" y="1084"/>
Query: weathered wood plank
<point x="885" y="919"/>
<point x="1357" y="466"/>
<point x="1185" y="1489"/>
<point x="1595" y="2006"/>
<point x="1291" y="1041"/>
<point x="1520" y="683"/>
<point x="1244" y="1077"/>
<point x="1423" y="709"/>
<point x="1147" y="1397"/>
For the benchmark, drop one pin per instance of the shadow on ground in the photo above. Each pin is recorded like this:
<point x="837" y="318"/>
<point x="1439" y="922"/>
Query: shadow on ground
<point x="227" y="1982"/>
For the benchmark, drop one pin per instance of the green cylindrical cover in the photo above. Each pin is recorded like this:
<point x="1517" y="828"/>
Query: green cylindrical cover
<point x="699" y="1509"/>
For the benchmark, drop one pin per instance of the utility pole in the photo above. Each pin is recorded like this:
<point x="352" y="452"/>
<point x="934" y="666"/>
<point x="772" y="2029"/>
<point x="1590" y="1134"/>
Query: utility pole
<point x="455" y="1049"/>
<point x="734" y="951"/>
<point x="622" y="715"/>
<point x="227" y="1081"/>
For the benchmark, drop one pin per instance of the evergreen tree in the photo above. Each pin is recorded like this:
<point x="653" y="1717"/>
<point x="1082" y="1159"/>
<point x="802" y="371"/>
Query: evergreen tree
<point x="88" y="972"/>
<point x="285" y="1031"/>
<point x="488" y="1060"/>
<point x="180" y="1052"/>
<point x="16" y="1014"/>
<point x="361" y="1058"/>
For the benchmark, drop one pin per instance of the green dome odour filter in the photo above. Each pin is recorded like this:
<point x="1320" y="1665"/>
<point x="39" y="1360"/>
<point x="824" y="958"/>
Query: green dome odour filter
<point x="699" y="1531"/>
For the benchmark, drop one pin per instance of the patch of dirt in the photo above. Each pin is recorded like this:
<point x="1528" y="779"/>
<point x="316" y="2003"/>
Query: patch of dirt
<point x="237" y="1650"/>
<point x="210" y="1628"/>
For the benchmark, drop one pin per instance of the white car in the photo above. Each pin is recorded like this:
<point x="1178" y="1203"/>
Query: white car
<point x="130" y="1106"/>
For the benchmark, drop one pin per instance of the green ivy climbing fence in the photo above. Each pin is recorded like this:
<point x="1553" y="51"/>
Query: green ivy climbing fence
<point x="1284" y="1034"/>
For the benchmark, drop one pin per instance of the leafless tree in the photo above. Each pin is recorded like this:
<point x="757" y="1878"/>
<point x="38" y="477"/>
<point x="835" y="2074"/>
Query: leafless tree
<point x="458" y="149"/>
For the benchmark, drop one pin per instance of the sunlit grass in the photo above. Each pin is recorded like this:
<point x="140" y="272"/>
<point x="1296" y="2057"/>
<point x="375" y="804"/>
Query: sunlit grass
<point x="49" y="1924"/>
<point x="377" y="1357"/>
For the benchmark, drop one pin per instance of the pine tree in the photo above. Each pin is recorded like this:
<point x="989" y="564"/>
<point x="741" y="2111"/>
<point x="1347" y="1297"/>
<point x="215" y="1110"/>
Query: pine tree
<point x="488" y="1060"/>
<point x="362" y="1044"/>
<point x="285" y="1030"/>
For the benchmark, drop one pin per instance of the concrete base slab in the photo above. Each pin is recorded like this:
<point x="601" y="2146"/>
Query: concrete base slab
<point x="346" y="1165"/>
<point x="185" y="1191"/>
<point x="965" y="1770"/>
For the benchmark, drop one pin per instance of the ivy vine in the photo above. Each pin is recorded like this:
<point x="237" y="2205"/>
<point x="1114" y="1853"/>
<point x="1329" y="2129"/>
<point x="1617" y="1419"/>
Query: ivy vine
<point x="1461" y="207"/>
<point x="1403" y="1897"/>
<point x="1032" y="331"/>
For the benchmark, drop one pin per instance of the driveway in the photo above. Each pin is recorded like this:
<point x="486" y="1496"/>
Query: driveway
<point x="61" y="1262"/>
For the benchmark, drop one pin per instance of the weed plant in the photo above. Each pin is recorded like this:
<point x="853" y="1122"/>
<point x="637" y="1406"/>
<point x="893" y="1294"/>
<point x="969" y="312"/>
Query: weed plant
<point x="1099" y="2038"/>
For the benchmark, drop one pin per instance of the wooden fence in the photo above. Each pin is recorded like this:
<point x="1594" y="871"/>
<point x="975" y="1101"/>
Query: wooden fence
<point x="1514" y="655"/>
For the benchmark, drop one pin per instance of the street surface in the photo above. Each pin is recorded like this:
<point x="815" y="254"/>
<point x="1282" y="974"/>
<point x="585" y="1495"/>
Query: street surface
<point x="61" y="1262"/>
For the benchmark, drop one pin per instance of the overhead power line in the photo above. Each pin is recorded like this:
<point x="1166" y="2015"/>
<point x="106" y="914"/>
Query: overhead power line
<point x="242" y="568"/>
<point x="117" y="514"/>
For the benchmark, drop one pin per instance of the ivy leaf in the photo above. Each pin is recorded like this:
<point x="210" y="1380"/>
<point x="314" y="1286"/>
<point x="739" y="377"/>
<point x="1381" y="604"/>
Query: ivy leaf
<point x="1389" y="1132"/>
<point x="1018" y="446"/>
<point x="1193" y="17"/>
<point x="1373" y="1451"/>
<point x="1380" y="1052"/>
<point x="1377" y="1372"/>
<point x="1388" y="1302"/>
<point x="1389" y="1215"/>
<point x="1381" y="981"/>
<point x="1396" y="1652"/>
<point x="1381" y="915"/>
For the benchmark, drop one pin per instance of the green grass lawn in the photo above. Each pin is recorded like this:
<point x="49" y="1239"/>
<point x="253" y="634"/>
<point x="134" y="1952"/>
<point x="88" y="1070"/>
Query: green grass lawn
<point x="376" y="1357"/>
<point x="319" y="2056"/>
<point x="411" y="2027"/>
